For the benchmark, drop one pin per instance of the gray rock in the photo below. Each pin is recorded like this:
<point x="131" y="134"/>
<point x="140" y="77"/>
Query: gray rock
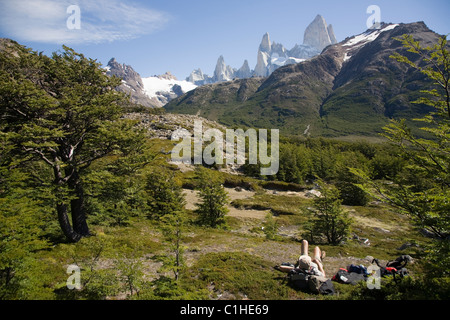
<point x="317" y="34"/>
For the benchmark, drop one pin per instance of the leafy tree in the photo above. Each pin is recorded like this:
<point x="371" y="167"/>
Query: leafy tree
<point x="173" y="227"/>
<point x="386" y="165"/>
<point x="97" y="282"/>
<point x="62" y="111"/>
<point x="324" y="162"/>
<point x="422" y="190"/>
<point x="270" y="226"/>
<point x="212" y="208"/>
<point x="131" y="273"/>
<point x="289" y="170"/>
<point x="330" y="220"/>
<point x="295" y="163"/>
<point x="164" y="194"/>
<point x="346" y="182"/>
<point x="115" y="187"/>
<point x="22" y="224"/>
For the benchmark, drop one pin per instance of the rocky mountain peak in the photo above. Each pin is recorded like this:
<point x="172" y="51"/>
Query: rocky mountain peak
<point x="167" y="76"/>
<point x="125" y="72"/>
<point x="131" y="82"/>
<point x="318" y="34"/>
<point x="272" y="55"/>
<point x="244" y="71"/>
<point x="265" y="45"/>
<point x="197" y="77"/>
<point x="222" y="71"/>
<point x="331" y="34"/>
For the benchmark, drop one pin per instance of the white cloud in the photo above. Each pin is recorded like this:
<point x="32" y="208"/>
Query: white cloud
<point x="101" y="20"/>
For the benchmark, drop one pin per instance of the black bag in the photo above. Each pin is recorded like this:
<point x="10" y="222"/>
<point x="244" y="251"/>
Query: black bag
<point x="303" y="280"/>
<point x="395" y="267"/>
<point x="345" y="277"/>
<point x="399" y="263"/>
<point x="320" y="285"/>
<point x="299" y="278"/>
<point x="327" y="288"/>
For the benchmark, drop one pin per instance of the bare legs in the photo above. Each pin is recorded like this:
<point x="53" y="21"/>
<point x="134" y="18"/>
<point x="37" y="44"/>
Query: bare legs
<point x="317" y="258"/>
<point x="304" y="248"/>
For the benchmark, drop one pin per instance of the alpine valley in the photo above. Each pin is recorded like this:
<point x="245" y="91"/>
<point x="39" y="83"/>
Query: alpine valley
<point x="168" y="192"/>
<point x="352" y="88"/>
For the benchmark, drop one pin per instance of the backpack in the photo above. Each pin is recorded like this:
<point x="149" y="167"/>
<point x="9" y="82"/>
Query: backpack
<point x="399" y="263"/>
<point x="299" y="278"/>
<point x="346" y="277"/>
<point x="357" y="269"/>
<point x="394" y="267"/>
<point x="304" y="280"/>
<point x="320" y="285"/>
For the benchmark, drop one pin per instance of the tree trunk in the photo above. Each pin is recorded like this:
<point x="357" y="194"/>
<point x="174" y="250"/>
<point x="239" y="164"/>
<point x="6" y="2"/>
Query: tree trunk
<point x="64" y="222"/>
<point x="79" y="227"/>
<point x="77" y="206"/>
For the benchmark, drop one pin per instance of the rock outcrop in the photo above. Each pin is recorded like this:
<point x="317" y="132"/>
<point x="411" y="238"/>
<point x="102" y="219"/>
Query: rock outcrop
<point x="222" y="71"/>
<point x="131" y="83"/>
<point x="272" y="55"/>
<point x="318" y="34"/>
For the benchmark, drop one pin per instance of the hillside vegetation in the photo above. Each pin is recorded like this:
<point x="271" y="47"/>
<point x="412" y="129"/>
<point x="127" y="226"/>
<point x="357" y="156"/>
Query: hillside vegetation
<point x="91" y="207"/>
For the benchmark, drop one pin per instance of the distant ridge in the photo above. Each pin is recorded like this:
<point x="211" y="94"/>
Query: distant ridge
<point x="272" y="55"/>
<point x="351" y="88"/>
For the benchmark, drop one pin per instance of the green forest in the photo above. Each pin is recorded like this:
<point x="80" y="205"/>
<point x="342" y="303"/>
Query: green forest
<point x="81" y="185"/>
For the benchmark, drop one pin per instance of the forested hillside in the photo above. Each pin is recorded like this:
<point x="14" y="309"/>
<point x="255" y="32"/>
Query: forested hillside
<point x="92" y="207"/>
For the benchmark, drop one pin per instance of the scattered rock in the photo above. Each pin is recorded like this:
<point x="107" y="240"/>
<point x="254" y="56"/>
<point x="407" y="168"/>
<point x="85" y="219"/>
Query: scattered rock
<point x="162" y="126"/>
<point x="313" y="193"/>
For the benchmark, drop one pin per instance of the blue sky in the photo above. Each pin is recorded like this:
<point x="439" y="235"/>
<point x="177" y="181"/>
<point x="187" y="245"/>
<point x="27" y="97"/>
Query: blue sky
<point x="182" y="35"/>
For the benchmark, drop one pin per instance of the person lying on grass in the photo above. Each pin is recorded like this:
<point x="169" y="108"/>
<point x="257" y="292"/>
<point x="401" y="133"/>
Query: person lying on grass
<point x="305" y="262"/>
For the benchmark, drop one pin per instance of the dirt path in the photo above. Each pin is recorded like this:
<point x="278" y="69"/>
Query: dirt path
<point x="191" y="197"/>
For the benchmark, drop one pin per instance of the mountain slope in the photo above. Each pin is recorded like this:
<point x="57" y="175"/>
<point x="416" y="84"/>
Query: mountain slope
<point x="151" y="92"/>
<point x="352" y="87"/>
<point x="372" y="87"/>
<point x="131" y="83"/>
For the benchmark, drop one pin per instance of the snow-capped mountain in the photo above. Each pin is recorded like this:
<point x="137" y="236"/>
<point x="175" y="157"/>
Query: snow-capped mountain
<point x="353" y="87"/>
<point x="131" y="83"/>
<point x="151" y="92"/>
<point x="355" y="43"/>
<point x="166" y="87"/>
<point x="272" y="55"/>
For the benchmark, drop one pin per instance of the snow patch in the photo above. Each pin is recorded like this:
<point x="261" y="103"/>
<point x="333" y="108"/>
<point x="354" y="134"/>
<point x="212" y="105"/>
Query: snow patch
<point x="367" y="36"/>
<point x="152" y="85"/>
<point x="347" y="57"/>
<point x="275" y="59"/>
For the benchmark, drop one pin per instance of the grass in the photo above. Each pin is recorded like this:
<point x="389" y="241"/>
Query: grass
<point x="225" y="263"/>
<point x="238" y="275"/>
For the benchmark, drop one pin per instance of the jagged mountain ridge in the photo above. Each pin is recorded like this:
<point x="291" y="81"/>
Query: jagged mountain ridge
<point x="272" y="55"/>
<point x="156" y="91"/>
<point x="352" y="87"/>
<point x="131" y="83"/>
<point x="153" y="92"/>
